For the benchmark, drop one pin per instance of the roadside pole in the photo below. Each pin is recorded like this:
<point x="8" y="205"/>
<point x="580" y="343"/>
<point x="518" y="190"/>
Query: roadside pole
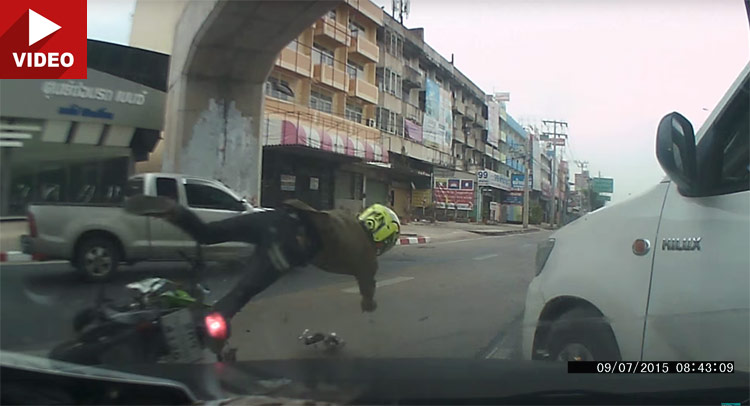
<point x="526" y="182"/>
<point x="553" y="137"/>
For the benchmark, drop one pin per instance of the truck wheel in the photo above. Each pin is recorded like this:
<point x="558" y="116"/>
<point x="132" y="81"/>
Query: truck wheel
<point x="582" y="335"/>
<point x="97" y="258"/>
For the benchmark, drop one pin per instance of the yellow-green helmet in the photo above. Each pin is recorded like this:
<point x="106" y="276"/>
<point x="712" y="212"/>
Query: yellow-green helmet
<point x="383" y="224"/>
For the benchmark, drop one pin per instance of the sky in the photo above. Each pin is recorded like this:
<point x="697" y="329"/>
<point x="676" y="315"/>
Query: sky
<point x="610" y="69"/>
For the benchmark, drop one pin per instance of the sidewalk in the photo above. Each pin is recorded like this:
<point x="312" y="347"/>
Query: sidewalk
<point x="449" y="230"/>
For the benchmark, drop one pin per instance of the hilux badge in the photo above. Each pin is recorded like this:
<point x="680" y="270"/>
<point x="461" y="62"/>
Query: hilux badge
<point x="681" y="244"/>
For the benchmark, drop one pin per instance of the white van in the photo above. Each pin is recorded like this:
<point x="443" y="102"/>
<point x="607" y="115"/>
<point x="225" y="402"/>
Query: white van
<point x="662" y="276"/>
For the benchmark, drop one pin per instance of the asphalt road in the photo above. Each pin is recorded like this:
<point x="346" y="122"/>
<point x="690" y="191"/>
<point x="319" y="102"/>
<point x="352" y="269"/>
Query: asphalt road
<point x="460" y="298"/>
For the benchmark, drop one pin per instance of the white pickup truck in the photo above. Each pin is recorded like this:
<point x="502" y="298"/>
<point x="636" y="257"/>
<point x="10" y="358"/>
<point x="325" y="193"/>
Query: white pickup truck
<point x="662" y="276"/>
<point x="97" y="238"/>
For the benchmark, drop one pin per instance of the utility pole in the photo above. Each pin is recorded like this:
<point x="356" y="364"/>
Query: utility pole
<point x="584" y="167"/>
<point x="526" y="181"/>
<point x="554" y="136"/>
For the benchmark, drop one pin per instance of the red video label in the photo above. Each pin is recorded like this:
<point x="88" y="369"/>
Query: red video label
<point x="43" y="39"/>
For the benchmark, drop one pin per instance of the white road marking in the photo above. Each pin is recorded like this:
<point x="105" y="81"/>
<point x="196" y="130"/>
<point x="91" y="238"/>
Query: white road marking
<point x="483" y="257"/>
<point x="386" y="282"/>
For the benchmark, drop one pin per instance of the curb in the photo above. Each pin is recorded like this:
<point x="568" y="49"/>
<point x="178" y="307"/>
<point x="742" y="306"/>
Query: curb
<point x="413" y="240"/>
<point x="508" y="232"/>
<point x="14" y="256"/>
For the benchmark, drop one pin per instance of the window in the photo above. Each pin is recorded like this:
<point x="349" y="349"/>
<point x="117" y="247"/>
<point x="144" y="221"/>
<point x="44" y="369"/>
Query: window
<point x="292" y="45"/>
<point x="321" y="101"/>
<point x="723" y="155"/>
<point x="166" y="187"/>
<point x="355" y="70"/>
<point x="279" y="89"/>
<point x="390" y="82"/>
<point x="134" y="187"/>
<point x="355" y="29"/>
<point x="204" y="196"/>
<point x="322" y="55"/>
<point x="394" y="43"/>
<point x="390" y="121"/>
<point x="354" y="112"/>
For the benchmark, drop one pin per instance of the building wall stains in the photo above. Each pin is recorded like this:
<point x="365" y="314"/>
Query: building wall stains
<point x="223" y="147"/>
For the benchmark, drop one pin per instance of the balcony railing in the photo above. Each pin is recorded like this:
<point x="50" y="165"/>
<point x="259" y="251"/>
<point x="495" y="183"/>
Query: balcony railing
<point x="369" y="9"/>
<point x="413" y="113"/>
<point x="363" y="90"/>
<point x="295" y="61"/>
<point x="458" y="106"/>
<point x="413" y="78"/>
<point x="334" y="30"/>
<point x="480" y="122"/>
<point x="361" y="46"/>
<point x="328" y="75"/>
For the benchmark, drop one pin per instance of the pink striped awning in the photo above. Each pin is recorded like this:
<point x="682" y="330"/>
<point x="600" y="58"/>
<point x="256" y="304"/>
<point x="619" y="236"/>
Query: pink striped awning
<point x="277" y="131"/>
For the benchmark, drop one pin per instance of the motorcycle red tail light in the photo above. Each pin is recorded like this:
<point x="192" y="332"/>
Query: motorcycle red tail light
<point x="216" y="326"/>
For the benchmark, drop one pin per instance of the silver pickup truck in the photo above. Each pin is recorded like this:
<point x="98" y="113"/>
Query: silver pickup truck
<point x="97" y="238"/>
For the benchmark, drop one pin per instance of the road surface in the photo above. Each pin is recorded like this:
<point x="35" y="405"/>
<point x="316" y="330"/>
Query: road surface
<point x="461" y="298"/>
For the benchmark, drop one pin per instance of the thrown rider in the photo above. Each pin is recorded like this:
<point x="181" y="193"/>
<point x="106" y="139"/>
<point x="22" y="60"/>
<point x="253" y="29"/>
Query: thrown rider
<point x="294" y="234"/>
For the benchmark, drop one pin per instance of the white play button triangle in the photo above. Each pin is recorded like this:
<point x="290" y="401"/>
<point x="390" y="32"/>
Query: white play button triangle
<point x="39" y="27"/>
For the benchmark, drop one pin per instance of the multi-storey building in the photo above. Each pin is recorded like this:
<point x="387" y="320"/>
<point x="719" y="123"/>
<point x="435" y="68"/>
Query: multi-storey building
<point x="360" y="110"/>
<point x="319" y="132"/>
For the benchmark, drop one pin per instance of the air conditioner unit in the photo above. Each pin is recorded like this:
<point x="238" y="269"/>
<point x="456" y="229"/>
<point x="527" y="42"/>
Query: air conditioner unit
<point x="371" y="122"/>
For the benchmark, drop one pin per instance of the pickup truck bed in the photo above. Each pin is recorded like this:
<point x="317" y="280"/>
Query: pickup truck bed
<point x="95" y="238"/>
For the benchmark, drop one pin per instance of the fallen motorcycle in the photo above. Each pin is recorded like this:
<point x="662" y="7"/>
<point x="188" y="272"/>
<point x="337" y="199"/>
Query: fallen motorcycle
<point x="164" y="322"/>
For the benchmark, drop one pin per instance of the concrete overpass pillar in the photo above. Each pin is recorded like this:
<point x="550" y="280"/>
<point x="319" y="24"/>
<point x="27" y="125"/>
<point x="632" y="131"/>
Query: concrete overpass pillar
<point x="223" y="52"/>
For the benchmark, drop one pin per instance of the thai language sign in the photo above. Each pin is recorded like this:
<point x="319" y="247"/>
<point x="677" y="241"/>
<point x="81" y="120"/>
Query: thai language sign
<point x="454" y="193"/>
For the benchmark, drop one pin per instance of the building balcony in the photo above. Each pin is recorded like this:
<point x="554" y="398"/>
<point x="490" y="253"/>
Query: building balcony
<point x="365" y="91"/>
<point x="413" y="113"/>
<point x="459" y="107"/>
<point x="412" y="78"/>
<point x="368" y="9"/>
<point x="459" y="136"/>
<point x="328" y="75"/>
<point x="295" y="61"/>
<point x="470" y="111"/>
<point x="471" y="141"/>
<point x="334" y="30"/>
<point x="361" y="46"/>
<point x="480" y="122"/>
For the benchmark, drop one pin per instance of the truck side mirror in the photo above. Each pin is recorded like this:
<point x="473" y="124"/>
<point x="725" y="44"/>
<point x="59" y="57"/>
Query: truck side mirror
<point x="675" y="151"/>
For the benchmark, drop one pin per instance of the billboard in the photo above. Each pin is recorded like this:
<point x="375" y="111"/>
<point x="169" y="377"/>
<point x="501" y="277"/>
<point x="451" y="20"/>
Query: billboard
<point x="454" y="193"/>
<point x="437" y="128"/>
<point x="602" y="185"/>
<point x="517" y="181"/>
<point x="486" y="177"/>
<point x="493" y="124"/>
<point x="413" y="131"/>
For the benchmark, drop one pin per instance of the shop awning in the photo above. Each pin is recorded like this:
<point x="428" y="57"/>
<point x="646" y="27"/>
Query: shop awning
<point x="278" y="131"/>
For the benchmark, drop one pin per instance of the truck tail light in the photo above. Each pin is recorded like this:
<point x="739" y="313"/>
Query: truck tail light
<point x="216" y="326"/>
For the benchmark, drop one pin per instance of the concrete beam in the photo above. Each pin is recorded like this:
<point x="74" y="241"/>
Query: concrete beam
<point x="222" y="54"/>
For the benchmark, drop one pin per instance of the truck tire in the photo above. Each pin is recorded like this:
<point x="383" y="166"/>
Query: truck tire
<point x="582" y="335"/>
<point x="97" y="258"/>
